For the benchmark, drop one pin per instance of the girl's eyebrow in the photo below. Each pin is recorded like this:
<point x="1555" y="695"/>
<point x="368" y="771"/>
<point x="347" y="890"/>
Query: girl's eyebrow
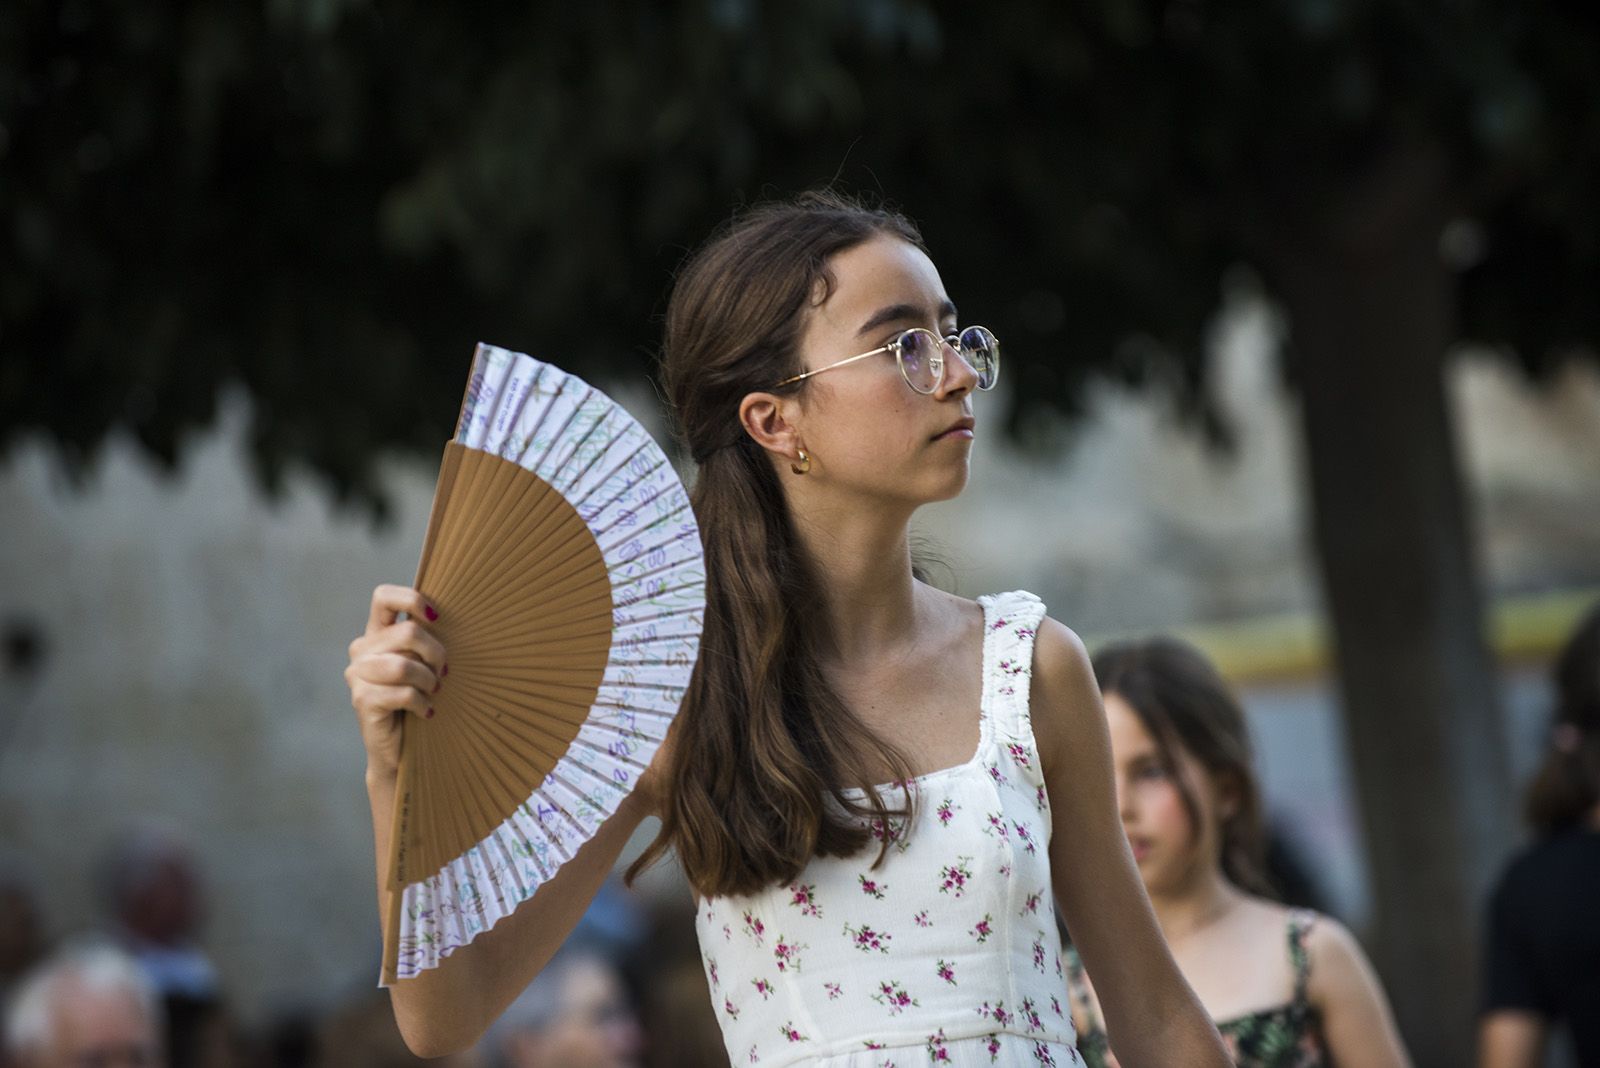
<point x="901" y="312"/>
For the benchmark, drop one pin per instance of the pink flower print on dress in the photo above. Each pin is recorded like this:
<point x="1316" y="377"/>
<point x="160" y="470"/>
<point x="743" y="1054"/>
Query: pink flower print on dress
<point x="1025" y="633"/>
<point x="730" y="1008"/>
<point x="937" y="1054"/>
<point x="947" y="972"/>
<point x="993" y="1048"/>
<point x="996" y="1012"/>
<point x="921" y="919"/>
<point x="1019" y="753"/>
<point x="997" y="825"/>
<point x="727" y="933"/>
<point x="997" y="775"/>
<point x="805" y="899"/>
<point x="1055" y="1003"/>
<point x="872" y="888"/>
<point x="711" y="966"/>
<point x="1042" y="1054"/>
<point x="1025" y="836"/>
<point x="946" y="811"/>
<point x="867" y="939"/>
<point x="754" y="927"/>
<point x="894" y="995"/>
<point x="984" y="929"/>
<point x="953" y="878"/>
<point x="787" y="955"/>
<point x="1038" y="954"/>
<point x="873" y="1045"/>
<point x="1030" y="904"/>
<point x="1042" y="800"/>
<point x="763" y="988"/>
<point x="1030" y="1016"/>
<point x="835" y="991"/>
<point x="999" y="623"/>
<point x="753" y="1058"/>
<point x="790" y="1033"/>
<point x="1005" y="869"/>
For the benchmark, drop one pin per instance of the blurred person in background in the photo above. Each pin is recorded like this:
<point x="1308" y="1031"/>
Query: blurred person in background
<point x="575" y="1014"/>
<point x="22" y="937"/>
<point x="1543" y="960"/>
<point x="88" y="1006"/>
<point x="153" y="893"/>
<point x="1288" y="988"/>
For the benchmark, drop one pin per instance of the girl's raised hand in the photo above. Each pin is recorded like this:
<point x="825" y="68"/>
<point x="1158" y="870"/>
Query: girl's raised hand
<point x="396" y="666"/>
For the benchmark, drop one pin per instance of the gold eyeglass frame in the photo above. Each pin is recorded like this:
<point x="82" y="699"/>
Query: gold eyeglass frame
<point x="951" y="341"/>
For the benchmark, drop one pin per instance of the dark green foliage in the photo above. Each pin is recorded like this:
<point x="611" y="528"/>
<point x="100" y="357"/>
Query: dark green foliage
<point x="329" y="202"/>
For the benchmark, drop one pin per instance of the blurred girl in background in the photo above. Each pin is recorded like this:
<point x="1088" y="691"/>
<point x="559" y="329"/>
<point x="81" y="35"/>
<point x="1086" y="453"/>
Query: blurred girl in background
<point x="1288" y="988"/>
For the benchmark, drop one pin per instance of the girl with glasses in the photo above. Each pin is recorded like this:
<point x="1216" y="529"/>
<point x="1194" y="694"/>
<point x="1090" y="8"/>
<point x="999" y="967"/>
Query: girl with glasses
<point x="1287" y="987"/>
<point x="878" y="791"/>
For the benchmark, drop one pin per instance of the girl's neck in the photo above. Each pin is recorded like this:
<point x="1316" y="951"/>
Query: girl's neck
<point x="864" y="566"/>
<point x="1196" y="905"/>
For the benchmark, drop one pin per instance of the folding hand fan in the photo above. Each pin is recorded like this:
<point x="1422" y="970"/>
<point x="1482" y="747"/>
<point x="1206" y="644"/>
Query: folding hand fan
<point x="566" y="566"/>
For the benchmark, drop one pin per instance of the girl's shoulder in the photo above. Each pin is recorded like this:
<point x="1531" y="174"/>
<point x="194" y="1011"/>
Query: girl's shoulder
<point x="1326" y="955"/>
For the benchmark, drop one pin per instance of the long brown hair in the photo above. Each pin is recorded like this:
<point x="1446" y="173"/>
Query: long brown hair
<point x="1567" y="786"/>
<point x="764" y="750"/>
<point x="1185" y="704"/>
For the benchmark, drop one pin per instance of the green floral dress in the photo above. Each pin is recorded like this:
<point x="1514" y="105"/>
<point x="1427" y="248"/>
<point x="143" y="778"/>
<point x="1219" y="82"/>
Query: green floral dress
<point x="1286" y="1036"/>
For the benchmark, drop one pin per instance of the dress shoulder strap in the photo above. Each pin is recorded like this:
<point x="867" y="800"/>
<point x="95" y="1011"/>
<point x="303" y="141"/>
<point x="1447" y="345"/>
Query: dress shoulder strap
<point x="1300" y="923"/>
<point x="1010" y="623"/>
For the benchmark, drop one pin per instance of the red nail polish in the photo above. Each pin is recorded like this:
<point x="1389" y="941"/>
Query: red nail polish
<point x="428" y="714"/>
<point x="436" y="685"/>
<point x="444" y="671"/>
<point x="428" y="611"/>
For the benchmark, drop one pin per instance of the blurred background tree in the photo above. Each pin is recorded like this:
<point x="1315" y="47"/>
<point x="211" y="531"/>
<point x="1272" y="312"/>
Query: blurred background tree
<point x="327" y="202"/>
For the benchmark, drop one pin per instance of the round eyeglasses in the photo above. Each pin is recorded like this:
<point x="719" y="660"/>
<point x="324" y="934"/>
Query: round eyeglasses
<point x="920" y="354"/>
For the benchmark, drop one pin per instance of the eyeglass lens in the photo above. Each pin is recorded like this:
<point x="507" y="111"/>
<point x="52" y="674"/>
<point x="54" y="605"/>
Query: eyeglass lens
<point x="922" y="357"/>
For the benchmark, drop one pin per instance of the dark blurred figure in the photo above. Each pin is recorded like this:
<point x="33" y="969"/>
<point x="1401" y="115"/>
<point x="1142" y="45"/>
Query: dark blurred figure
<point x="22" y="938"/>
<point x="1543" y="965"/>
<point x="153" y="893"/>
<point x="85" y="1006"/>
<point x="675" y="995"/>
<point x="575" y="1014"/>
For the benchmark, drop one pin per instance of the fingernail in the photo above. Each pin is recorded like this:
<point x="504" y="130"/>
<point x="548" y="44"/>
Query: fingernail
<point x="436" y="685"/>
<point x="444" y="671"/>
<point x="428" y="714"/>
<point x="428" y="611"/>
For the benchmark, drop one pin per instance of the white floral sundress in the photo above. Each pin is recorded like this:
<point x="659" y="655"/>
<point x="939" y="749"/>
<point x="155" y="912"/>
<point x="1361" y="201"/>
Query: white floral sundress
<point x="945" y="955"/>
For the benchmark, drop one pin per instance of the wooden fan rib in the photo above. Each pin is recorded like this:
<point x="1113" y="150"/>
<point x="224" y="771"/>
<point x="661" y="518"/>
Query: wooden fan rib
<point x="542" y="730"/>
<point x="536" y="514"/>
<point x="581" y="602"/>
<point x="551" y="527"/>
<point x="546" y="699"/>
<point x="555" y="650"/>
<point x="499" y="797"/>
<point x="492" y="503"/>
<point x="546" y="742"/>
<point x="441" y="817"/>
<point x="461" y="796"/>
<point x="441" y="563"/>
<point x="568" y="561"/>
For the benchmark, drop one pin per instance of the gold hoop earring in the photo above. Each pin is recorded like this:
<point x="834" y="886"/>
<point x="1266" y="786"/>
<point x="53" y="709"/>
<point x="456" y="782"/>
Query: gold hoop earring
<point x="803" y="466"/>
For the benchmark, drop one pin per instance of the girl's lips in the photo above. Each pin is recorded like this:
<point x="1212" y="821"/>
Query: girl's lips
<point x="960" y="432"/>
<point x="1140" y="849"/>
